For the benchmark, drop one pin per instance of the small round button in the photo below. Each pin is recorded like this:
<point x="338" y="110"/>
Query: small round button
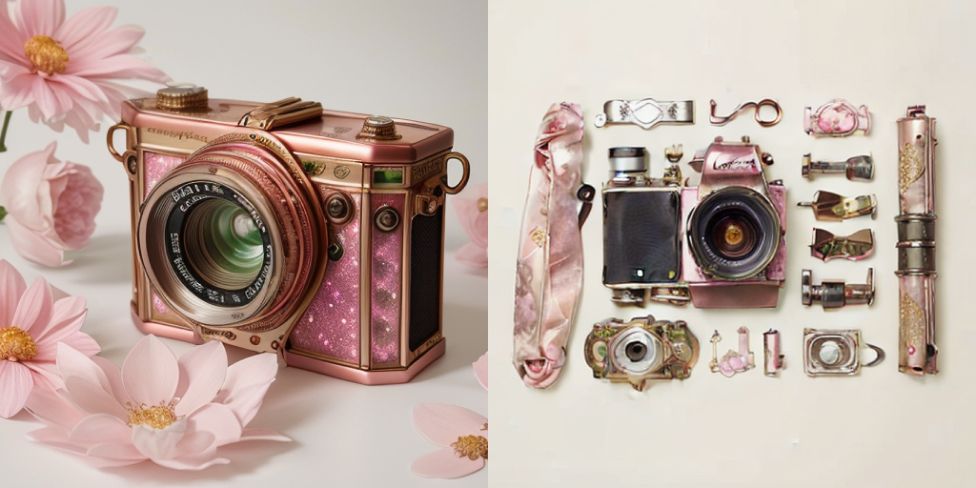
<point x="379" y="127"/>
<point x="387" y="219"/>
<point x="182" y="97"/>
<point x="338" y="208"/>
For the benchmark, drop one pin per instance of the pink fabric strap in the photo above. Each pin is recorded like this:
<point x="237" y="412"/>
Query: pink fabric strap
<point x="550" y="256"/>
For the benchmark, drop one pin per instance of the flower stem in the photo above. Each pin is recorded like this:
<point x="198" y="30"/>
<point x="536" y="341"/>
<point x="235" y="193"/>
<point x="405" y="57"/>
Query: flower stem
<point x="3" y="213"/>
<point x="3" y="134"/>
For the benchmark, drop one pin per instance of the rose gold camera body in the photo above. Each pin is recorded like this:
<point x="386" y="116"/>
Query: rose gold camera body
<point x="284" y="228"/>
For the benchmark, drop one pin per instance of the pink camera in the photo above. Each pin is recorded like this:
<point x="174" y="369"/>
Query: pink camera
<point x="282" y="227"/>
<point x="718" y="245"/>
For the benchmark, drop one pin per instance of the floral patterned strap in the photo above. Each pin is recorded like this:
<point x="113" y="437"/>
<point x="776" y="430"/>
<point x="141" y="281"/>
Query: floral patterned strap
<point x="550" y="256"/>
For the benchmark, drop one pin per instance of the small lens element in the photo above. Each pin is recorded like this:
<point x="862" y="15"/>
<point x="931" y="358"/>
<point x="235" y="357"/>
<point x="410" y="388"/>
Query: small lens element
<point x="387" y="219"/>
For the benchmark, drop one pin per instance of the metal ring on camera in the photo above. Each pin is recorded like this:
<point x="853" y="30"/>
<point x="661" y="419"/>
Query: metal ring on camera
<point x="466" y="173"/>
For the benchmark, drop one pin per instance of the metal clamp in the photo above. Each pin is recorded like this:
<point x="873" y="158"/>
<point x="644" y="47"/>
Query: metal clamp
<point x="856" y="168"/>
<point x="828" y="352"/>
<point x="757" y="106"/>
<point x="833" y="207"/>
<point x="646" y="113"/>
<point x="836" y="118"/>
<point x="855" y="247"/>
<point x="836" y="293"/>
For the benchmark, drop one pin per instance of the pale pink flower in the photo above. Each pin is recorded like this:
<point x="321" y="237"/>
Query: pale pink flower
<point x="173" y="412"/>
<point x="481" y="370"/>
<point x="51" y="206"/>
<point x="463" y="435"/>
<point x="472" y="213"/>
<point x="32" y="323"/>
<point x="66" y="70"/>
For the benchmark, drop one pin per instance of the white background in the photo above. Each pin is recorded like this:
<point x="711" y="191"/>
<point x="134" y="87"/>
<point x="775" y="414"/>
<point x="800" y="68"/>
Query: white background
<point x="881" y="428"/>
<point x="420" y="60"/>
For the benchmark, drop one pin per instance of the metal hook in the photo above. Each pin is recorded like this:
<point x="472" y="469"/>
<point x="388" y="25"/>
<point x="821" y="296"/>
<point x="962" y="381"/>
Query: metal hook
<point x="879" y="355"/>
<point x="769" y="102"/>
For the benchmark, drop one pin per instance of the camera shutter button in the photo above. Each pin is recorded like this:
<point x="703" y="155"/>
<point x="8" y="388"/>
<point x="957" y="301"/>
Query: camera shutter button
<point x="380" y="128"/>
<point x="182" y="97"/>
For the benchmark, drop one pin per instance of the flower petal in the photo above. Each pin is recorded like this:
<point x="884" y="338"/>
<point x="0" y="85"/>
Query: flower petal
<point x="52" y="408"/>
<point x="92" y="398"/>
<point x="15" y="387"/>
<point x="481" y="370"/>
<point x="219" y="420"/>
<point x="84" y="26"/>
<point x="446" y="464"/>
<point x="247" y="382"/>
<point x="443" y="423"/>
<point x="114" y="375"/>
<point x="188" y="464"/>
<point x="73" y="363"/>
<point x="99" y="429"/>
<point x="67" y="316"/>
<point x="150" y="372"/>
<point x="158" y="444"/>
<point x="34" y="308"/>
<point x="40" y="17"/>
<point x="261" y="434"/>
<point x="202" y="373"/>
<point x="21" y="183"/>
<point x="33" y="247"/>
<point x="12" y="286"/>
<point x="79" y="341"/>
<point x="119" y="454"/>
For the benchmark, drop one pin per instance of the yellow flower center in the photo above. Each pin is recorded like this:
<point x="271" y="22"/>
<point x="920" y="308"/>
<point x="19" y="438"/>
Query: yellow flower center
<point x="482" y="204"/>
<point x="158" y="417"/>
<point x="472" y="446"/>
<point x="16" y="344"/>
<point x="46" y="54"/>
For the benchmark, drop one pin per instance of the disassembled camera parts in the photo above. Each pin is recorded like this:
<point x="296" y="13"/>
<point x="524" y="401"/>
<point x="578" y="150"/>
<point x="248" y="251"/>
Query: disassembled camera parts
<point x="855" y="247"/>
<point x="731" y="252"/>
<point x="641" y="350"/>
<point x="646" y="113"/>
<point x="550" y="260"/>
<point x="755" y="106"/>
<point x="836" y="118"/>
<point x="828" y="206"/>
<point x="829" y="352"/>
<point x="773" y="358"/>
<point x="733" y="361"/>
<point x="836" y="293"/>
<point x="856" y="168"/>
<point x="916" y="243"/>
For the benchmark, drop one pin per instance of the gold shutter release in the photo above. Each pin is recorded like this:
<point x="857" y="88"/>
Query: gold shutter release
<point x="380" y="128"/>
<point x="183" y="97"/>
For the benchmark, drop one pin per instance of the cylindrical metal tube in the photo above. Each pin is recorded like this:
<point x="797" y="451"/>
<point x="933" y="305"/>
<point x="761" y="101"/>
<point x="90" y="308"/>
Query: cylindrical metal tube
<point x="772" y="354"/>
<point x="917" y="350"/>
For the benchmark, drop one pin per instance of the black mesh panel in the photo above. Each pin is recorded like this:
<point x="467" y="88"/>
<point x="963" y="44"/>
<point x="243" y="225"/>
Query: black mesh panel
<point x="425" y="277"/>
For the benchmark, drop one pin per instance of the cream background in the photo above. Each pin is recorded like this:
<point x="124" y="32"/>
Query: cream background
<point x="424" y="60"/>
<point x="879" y="429"/>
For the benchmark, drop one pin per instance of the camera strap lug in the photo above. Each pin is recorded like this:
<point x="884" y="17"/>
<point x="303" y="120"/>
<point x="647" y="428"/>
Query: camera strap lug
<point x="585" y="194"/>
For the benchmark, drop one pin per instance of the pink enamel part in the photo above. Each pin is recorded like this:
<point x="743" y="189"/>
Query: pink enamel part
<point x="156" y="166"/>
<point x="386" y="273"/>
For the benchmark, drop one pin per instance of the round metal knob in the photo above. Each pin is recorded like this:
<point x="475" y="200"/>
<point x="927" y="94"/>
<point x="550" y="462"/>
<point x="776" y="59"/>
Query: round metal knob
<point x="379" y="127"/>
<point x="184" y="97"/>
<point x="338" y="208"/>
<point x="387" y="219"/>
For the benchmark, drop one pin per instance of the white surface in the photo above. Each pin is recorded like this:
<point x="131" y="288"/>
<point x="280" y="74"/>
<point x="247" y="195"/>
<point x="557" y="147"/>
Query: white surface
<point x="422" y="60"/>
<point x="879" y="429"/>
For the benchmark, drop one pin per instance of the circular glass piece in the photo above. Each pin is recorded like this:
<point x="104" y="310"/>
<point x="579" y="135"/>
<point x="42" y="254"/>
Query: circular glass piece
<point x="734" y="233"/>
<point x="636" y="351"/>
<point x="829" y="352"/>
<point x="223" y="244"/>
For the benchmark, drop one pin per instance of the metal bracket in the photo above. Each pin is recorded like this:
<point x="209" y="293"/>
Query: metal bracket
<point x="646" y="113"/>
<point x="855" y="247"/>
<point x="833" y="207"/>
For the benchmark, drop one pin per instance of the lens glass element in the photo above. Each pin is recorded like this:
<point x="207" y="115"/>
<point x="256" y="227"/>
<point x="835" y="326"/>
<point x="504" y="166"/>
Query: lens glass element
<point x="223" y="244"/>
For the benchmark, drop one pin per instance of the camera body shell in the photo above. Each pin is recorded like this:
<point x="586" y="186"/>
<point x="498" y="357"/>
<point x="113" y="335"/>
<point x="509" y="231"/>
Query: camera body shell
<point x="351" y="293"/>
<point x="653" y="250"/>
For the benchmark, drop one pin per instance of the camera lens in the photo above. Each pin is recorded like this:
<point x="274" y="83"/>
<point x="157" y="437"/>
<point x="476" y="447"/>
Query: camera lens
<point x="627" y="161"/>
<point x="734" y="233"/>
<point x="635" y="351"/>
<point x="223" y="244"/>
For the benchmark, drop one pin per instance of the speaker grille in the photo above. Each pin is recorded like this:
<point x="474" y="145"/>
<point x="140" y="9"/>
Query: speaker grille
<point x="426" y="247"/>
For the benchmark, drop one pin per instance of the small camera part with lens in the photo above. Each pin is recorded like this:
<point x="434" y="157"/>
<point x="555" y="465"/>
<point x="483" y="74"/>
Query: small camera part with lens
<point x="717" y="245"/>
<point x="641" y="350"/>
<point x="856" y="168"/>
<point x="836" y="293"/>
<point x="835" y="352"/>
<point x="733" y="361"/>
<point x="833" y="207"/>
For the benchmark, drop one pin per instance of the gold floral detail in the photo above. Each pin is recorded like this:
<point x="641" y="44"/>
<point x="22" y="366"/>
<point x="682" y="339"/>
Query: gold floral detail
<point x="909" y="166"/>
<point x="472" y="446"/>
<point x="538" y="236"/>
<point x="16" y="344"/>
<point x="158" y="416"/>
<point x="46" y="54"/>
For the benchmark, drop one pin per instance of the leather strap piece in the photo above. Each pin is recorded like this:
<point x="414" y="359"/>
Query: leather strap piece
<point x="550" y="256"/>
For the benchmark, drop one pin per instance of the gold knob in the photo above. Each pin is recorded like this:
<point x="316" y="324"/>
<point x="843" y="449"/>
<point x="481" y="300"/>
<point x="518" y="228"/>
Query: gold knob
<point x="185" y="97"/>
<point x="380" y="128"/>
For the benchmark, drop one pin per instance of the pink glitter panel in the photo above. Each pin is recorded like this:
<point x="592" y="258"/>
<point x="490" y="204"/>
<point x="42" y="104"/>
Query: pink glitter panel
<point x="158" y="304"/>
<point x="330" y="326"/>
<point x="156" y="166"/>
<point x="386" y="283"/>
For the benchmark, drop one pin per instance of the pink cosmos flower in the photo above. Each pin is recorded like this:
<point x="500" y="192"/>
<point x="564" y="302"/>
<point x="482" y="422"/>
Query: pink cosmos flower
<point x="32" y="323"/>
<point x="51" y="206"/>
<point x="66" y="70"/>
<point x="462" y="432"/>
<point x="173" y="412"/>
<point x="473" y="215"/>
